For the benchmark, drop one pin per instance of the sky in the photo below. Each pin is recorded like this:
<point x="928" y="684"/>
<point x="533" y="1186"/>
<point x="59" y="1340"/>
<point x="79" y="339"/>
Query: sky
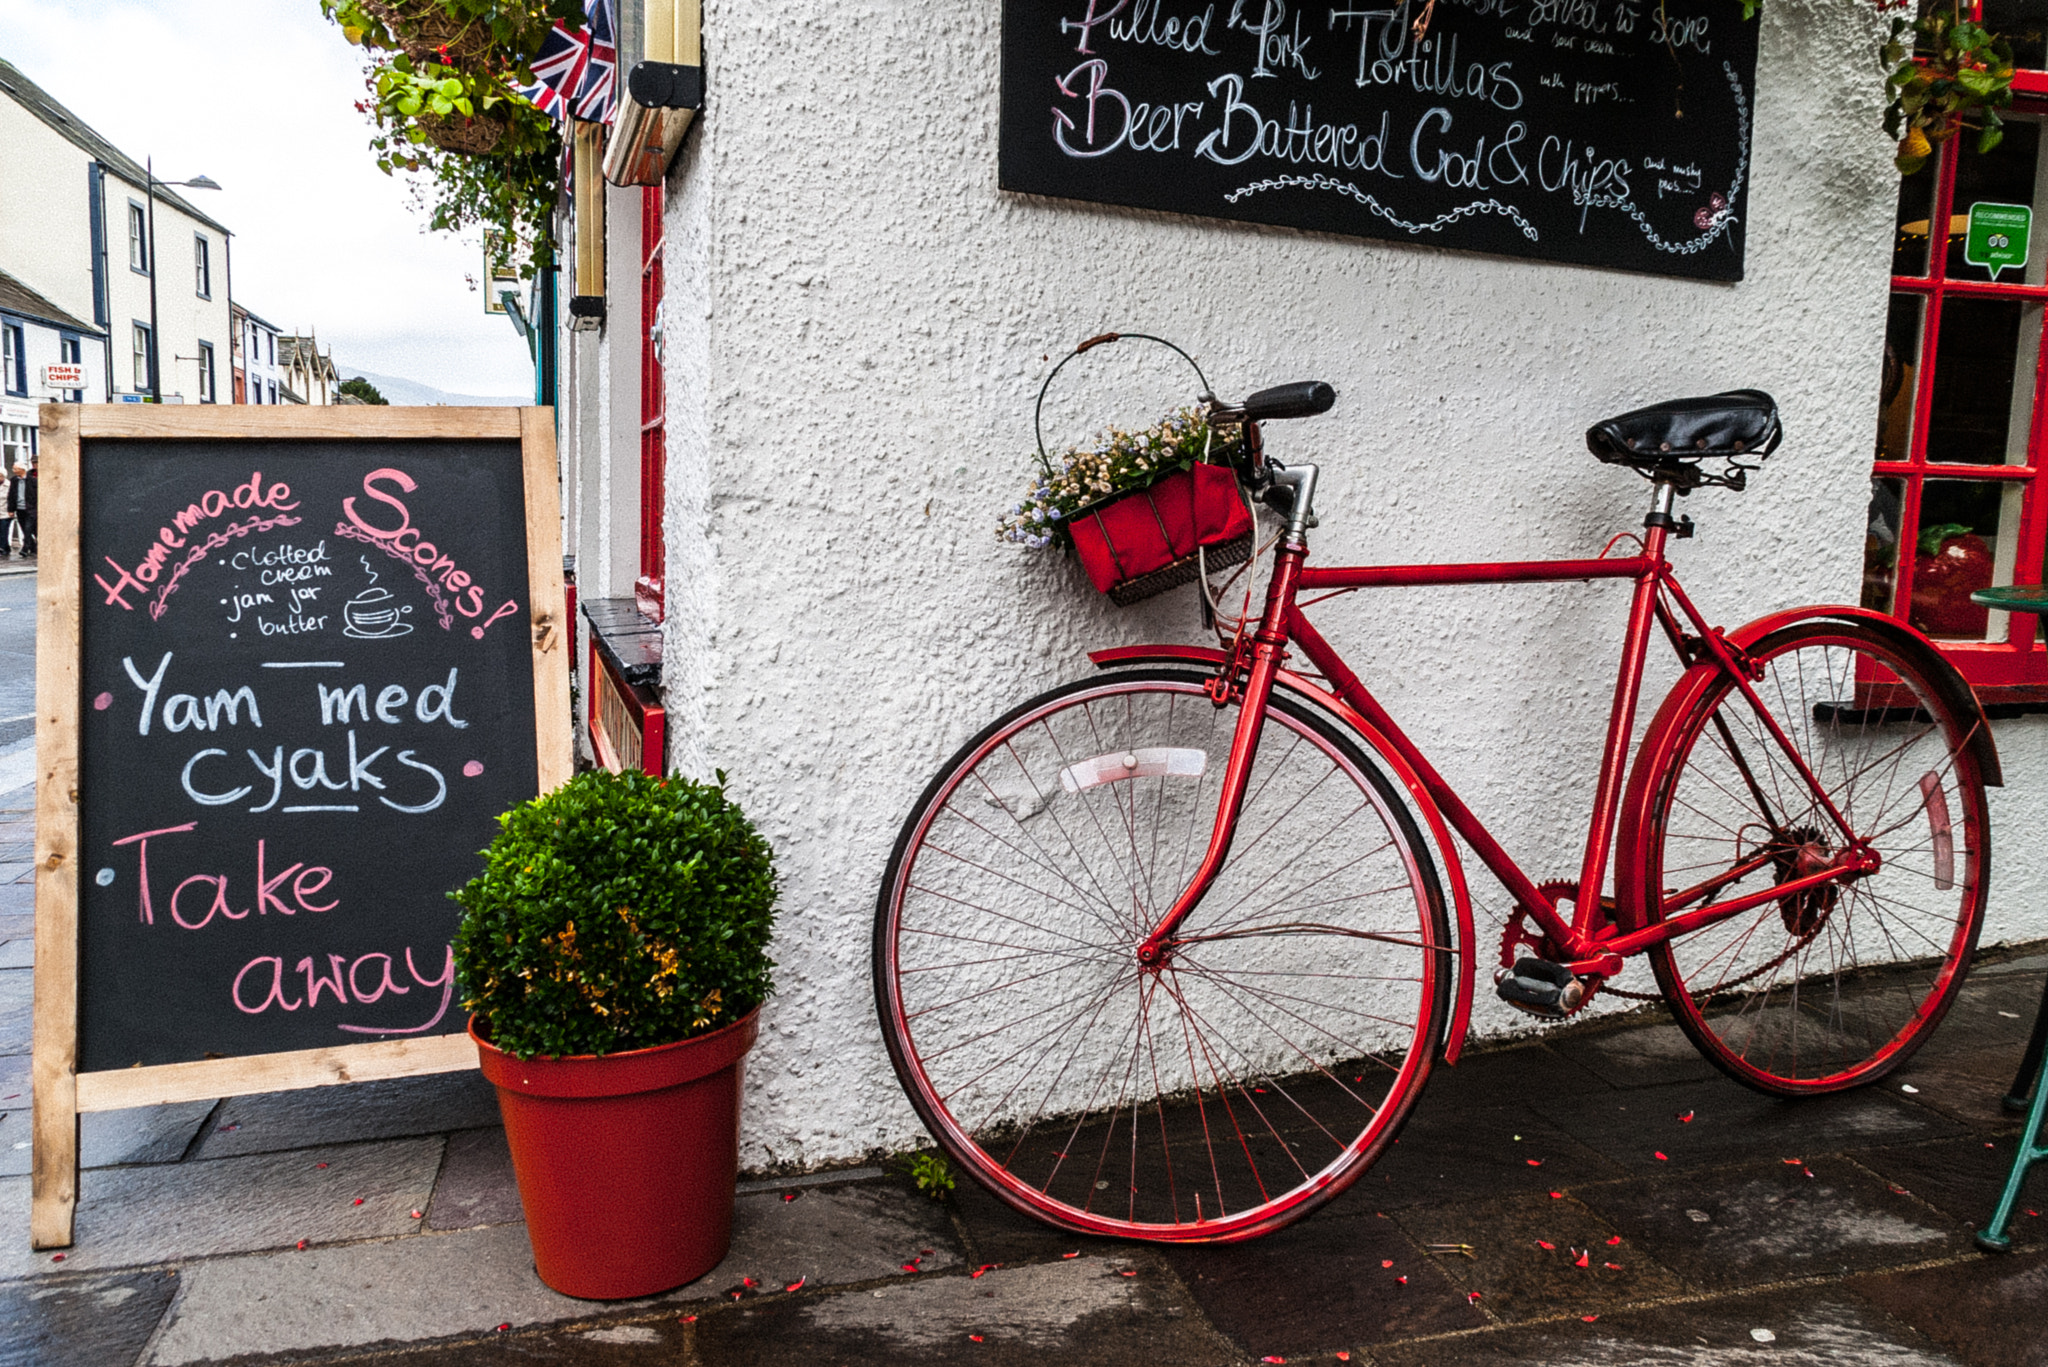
<point x="261" y="98"/>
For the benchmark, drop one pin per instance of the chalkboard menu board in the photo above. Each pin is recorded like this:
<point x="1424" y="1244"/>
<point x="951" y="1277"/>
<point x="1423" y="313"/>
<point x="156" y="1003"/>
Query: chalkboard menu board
<point x="1600" y="132"/>
<point x="291" y="664"/>
<point x="309" y="691"/>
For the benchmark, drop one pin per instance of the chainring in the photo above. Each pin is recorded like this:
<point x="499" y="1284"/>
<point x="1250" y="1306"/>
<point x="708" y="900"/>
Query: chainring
<point x="1519" y="938"/>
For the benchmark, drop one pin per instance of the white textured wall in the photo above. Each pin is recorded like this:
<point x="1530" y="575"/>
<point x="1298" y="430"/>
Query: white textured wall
<point x="873" y="318"/>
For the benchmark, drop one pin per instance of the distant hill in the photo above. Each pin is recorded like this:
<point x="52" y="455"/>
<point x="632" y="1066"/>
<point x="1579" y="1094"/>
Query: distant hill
<point x="401" y="391"/>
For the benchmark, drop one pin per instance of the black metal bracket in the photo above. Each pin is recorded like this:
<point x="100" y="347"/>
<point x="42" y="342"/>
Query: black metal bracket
<point x="1680" y="527"/>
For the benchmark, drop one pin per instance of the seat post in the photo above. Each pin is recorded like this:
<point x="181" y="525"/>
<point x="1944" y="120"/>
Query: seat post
<point x="1664" y="490"/>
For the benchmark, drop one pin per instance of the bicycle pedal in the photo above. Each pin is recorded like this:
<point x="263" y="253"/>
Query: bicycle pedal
<point x="1541" y="988"/>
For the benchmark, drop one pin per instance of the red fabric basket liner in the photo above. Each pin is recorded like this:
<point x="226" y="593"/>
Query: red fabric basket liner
<point x="1148" y="531"/>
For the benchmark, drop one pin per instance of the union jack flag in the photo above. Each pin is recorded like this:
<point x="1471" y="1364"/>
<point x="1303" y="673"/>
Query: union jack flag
<point x="573" y="75"/>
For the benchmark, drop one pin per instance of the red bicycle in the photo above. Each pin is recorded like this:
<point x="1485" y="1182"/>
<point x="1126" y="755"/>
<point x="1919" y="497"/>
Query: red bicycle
<point x="1166" y="953"/>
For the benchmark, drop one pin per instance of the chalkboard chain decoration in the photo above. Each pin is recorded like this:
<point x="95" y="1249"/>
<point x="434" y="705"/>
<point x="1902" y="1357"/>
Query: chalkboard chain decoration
<point x="1345" y="187"/>
<point x="1718" y="216"/>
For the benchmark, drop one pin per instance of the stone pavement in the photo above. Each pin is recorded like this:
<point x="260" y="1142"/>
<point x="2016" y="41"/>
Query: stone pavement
<point x="379" y="1223"/>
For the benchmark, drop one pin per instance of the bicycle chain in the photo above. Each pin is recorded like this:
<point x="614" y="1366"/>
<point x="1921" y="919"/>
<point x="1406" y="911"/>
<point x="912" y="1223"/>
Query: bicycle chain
<point x="1516" y="931"/>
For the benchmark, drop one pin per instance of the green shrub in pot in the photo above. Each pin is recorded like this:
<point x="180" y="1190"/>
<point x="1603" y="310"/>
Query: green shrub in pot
<point x="618" y="912"/>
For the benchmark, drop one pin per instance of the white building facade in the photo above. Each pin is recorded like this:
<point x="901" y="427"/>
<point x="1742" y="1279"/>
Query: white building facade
<point x="76" y="225"/>
<point x="46" y="356"/>
<point x="810" y="396"/>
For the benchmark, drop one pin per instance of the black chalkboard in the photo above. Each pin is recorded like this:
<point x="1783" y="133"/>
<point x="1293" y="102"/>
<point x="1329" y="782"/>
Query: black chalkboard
<point x="307" y="688"/>
<point x="1601" y="132"/>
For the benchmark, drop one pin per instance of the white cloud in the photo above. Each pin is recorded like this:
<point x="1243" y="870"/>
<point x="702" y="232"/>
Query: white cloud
<point x="260" y="97"/>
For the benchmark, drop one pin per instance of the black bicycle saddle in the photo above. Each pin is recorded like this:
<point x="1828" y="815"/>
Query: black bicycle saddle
<point x="1741" y="422"/>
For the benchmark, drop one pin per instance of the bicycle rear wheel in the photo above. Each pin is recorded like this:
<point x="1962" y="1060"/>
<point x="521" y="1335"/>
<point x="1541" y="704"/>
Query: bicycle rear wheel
<point x="1250" y="1077"/>
<point x="1834" y="986"/>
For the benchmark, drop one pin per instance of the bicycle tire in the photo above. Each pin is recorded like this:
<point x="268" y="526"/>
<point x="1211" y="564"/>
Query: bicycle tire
<point x="1247" y="1121"/>
<point x="1836" y="986"/>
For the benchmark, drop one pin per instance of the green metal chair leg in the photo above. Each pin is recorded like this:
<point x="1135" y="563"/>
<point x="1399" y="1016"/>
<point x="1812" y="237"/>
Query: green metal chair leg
<point x="1993" y="1237"/>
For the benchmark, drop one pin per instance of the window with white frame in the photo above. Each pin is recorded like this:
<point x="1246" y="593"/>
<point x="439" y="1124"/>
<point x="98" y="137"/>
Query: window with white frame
<point x="138" y="238"/>
<point x="13" y="358"/>
<point x="202" y="266"/>
<point x="206" y="372"/>
<point x="142" y="346"/>
<point x="71" y="352"/>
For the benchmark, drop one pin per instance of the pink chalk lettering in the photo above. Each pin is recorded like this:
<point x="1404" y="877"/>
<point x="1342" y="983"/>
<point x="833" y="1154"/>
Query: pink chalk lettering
<point x="147" y="914"/>
<point x="387" y="985"/>
<point x="446" y="982"/>
<point x="276" y="995"/>
<point x="218" y="905"/>
<point x="315" y="983"/>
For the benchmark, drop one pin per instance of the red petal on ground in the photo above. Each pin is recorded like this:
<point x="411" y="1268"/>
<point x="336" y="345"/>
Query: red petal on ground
<point x="910" y="1267"/>
<point x="358" y="1200"/>
<point x="1557" y="1196"/>
<point x="319" y="1165"/>
<point x="1402" y="1280"/>
<point x="1270" y="1358"/>
<point x="419" y="1215"/>
<point x="1807" y="1171"/>
<point x="1127" y="1273"/>
<point x="924" y="1253"/>
<point x="1661" y="1157"/>
<point x="1546" y="1245"/>
<point x="1589" y="1318"/>
<point x="1685" y="1119"/>
<point x="302" y="1243"/>
<point x="1615" y="1240"/>
<point x="1343" y="1356"/>
<point x="503" y="1327"/>
<point x="1472" y="1297"/>
<point x="748" y="1281"/>
<point x="1533" y="1162"/>
<point x="789" y="1196"/>
<point x="1898" y="1190"/>
<point x="1075" y="1254"/>
<point x="2035" y="1213"/>
<point x="1612" y="1267"/>
<point x="797" y="1285"/>
<point x="1386" y="1262"/>
<point x="57" y="1257"/>
<point x="1793" y="1162"/>
<point x="974" y="1338"/>
<point x="687" y="1319"/>
<point x="1583" y="1260"/>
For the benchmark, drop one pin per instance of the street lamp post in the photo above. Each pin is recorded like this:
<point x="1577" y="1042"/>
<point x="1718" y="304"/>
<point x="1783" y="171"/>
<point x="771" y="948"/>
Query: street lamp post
<point x="156" y="394"/>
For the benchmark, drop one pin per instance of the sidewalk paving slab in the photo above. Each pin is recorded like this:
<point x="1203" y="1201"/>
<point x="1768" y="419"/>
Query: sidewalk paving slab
<point x="1073" y="1310"/>
<point x="17" y="996"/>
<point x="1962" y="1178"/>
<point x="1729" y="1121"/>
<point x="475" y="1186"/>
<point x="392" y="1108"/>
<point x="100" y="1321"/>
<point x="1452" y="1154"/>
<point x="1988" y="1312"/>
<point x="1768" y="1221"/>
<point x="18" y="953"/>
<point x="1807" y="1327"/>
<point x="1329" y="1282"/>
<point x="164" y="1213"/>
<point x="1518" y="1278"/>
<point x="1635" y="1054"/>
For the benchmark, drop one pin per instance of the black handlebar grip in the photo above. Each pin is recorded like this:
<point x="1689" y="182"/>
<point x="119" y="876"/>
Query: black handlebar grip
<point x="1302" y="400"/>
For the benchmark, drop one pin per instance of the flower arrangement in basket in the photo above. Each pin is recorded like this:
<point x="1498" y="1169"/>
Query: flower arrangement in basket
<point x="1143" y="510"/>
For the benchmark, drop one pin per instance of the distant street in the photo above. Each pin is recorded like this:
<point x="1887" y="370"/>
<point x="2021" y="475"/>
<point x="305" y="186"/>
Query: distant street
<point x="17" y="656"/>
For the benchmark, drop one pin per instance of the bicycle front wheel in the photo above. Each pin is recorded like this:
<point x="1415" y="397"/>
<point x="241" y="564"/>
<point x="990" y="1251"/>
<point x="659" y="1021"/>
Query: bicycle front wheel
<point x="1833" y="986"/>
<point x="1251" y="1075"/>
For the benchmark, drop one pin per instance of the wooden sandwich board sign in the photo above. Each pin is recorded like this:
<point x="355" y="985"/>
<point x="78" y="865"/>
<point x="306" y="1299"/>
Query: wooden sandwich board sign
<point x="291" y="663"/>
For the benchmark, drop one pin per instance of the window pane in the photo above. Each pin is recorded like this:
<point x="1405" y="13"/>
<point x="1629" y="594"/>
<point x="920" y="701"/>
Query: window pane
<point x="1898" y="384"/>
<point x="1959" y="550"/>
<point x="1881" y="544"/>
<point x="2024" y="24"/>
<point x="2008" y="174"/>
<point x="1984" y="381"/>
<point x="1916" y="203"/>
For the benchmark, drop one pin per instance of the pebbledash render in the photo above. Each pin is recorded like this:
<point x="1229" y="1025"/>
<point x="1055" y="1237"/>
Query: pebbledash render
<point x="848" y="321"/>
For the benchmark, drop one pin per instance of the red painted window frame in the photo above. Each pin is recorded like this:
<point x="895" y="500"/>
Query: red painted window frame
<point x="647" y="587"/>
<point x="2014" y="670"/>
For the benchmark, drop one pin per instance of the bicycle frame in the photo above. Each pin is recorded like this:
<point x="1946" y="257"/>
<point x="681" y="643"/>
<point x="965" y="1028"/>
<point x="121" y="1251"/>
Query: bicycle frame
<point x="1595" y="942"/>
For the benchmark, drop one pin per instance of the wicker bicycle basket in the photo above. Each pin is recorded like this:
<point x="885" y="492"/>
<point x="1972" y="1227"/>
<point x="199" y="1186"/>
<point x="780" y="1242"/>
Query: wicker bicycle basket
<point x="1139" y="543"/>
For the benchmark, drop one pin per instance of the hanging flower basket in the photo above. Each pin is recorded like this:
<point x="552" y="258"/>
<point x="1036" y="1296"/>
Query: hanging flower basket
<point x="456" y="133"/>
<point x="1144" y="511"/>
<point x="427" y="31"/>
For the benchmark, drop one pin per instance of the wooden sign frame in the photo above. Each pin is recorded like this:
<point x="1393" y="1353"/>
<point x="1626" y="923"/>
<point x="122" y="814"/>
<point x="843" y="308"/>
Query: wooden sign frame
<point x="60" y="1092"/>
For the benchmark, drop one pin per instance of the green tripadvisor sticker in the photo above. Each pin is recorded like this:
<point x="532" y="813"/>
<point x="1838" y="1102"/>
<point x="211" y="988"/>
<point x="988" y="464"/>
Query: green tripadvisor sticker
<point x="1998" y="236"/>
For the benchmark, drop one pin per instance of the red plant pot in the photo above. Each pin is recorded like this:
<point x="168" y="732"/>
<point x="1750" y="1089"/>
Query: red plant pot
<point x="626" y="1162"/>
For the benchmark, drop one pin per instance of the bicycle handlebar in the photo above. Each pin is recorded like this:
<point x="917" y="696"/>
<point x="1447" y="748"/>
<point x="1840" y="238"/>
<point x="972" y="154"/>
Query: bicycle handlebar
<point x="1304" y="399"/>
